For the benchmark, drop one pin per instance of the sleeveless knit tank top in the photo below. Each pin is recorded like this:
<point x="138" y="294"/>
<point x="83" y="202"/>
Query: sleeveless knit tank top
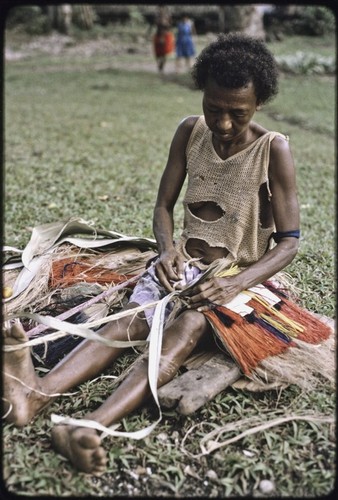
<point x="232" y="184"/>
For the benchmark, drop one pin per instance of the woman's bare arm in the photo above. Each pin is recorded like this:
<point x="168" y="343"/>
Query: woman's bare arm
<point x="170" y="264"/>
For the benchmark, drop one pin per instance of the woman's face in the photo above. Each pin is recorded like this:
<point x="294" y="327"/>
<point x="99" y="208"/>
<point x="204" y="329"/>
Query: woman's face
<point x="227" y="111"/>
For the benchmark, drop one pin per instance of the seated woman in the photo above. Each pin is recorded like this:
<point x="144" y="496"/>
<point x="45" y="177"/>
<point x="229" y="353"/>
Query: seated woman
<point x="241" y="189"/>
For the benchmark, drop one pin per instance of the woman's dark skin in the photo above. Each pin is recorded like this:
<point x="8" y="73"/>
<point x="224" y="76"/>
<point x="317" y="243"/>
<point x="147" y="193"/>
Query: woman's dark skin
<point x="228" y="114"/>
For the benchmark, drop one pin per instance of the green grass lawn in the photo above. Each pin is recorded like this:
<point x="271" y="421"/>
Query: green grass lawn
<point x="92" y="142"/>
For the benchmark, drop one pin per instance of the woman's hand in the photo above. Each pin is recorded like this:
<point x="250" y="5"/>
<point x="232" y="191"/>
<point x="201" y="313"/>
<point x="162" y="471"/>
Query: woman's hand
<point x="169" y="269"/>
<point x="215" y="290"/>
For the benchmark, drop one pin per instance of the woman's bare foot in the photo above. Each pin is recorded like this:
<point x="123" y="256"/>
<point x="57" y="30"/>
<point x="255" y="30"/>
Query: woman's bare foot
<point x="21" y="385"/>
<point x="81" y="446"/>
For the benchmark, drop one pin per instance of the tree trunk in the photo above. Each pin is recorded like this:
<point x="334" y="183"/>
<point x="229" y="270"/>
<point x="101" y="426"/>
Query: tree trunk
<point x="247" y="19"/>
<point x="60" y="17"/>
<point x="84" y="16"/>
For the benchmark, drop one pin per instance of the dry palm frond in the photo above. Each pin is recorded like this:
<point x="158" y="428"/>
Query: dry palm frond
<point x="36" y="293"/>
<point x="42" y="247"/>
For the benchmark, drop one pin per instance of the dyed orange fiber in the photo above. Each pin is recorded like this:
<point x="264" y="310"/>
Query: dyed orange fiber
<point x="315" y="331"/>
<point x="247" y="343"/>
<point x="66" y="272"/>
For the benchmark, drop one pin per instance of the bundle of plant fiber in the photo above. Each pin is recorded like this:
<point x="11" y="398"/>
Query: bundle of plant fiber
<point x="264" y="326"/>
<point x="247" y="342"/>
<point x="68" y="271"/>
<point x="306" y="365"/>
<point x="72" y="237"/>
<point x="314" y="330"/>
<point x="71" y="301"/>
<point x="71" y="279"/>
<point x="48" y="354"/>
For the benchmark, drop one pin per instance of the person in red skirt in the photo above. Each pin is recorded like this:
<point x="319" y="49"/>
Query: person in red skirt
<point x="164" y="45"/>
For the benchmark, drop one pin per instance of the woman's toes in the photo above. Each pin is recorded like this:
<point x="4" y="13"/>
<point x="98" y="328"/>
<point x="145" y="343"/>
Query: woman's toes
<point x="91" y="440"/>
<point x="100" y="456"/>
<point x="82" y="447"/>
<point x="18" y="332"/>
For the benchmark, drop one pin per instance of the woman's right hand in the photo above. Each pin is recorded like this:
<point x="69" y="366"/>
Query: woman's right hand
<point x="169" y="269"/>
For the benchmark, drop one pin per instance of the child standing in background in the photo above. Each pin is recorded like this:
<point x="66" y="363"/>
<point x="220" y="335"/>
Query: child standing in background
<point x="185" y="47"/>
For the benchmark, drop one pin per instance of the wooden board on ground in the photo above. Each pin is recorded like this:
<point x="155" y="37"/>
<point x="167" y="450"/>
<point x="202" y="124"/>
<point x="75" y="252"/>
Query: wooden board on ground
<point x="197" y="386"/>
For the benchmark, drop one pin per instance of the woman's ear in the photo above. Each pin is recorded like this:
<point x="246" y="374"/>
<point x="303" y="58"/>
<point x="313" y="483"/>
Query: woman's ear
<point x="258" y="107"/>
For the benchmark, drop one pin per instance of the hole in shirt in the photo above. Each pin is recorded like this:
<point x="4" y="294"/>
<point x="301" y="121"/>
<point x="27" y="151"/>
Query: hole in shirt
<point x="206" y="210"/>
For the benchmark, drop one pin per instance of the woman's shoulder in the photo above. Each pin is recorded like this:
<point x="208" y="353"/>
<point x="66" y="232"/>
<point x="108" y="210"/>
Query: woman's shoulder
<point x="279" y="143"/>
<point x="188" y="123"/>
<point x="186" y="131"/>
<point x="257" y="130"/>
<point x="278" y="137"/>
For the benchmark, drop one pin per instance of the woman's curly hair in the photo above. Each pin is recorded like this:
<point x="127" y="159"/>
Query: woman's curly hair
<point x="235" y="59"/>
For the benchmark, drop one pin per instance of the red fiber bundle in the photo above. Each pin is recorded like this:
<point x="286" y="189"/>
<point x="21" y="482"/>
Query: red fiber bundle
<point x="247" y="343"/>
<point x="66" y="272"/>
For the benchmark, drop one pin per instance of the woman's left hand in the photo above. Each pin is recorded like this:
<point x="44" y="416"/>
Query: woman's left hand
<point x="215" y="290"/>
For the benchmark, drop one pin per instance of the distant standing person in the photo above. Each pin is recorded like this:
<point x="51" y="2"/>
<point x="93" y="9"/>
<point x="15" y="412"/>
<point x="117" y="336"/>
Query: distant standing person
<point x="164" y="44"/>
<point x="163" y="40"/>
<point x="185" y="47"/>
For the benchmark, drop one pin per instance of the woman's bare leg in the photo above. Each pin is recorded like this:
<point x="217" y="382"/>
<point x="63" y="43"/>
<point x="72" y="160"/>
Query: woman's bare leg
<point x="82" y="445"/>
<point x="27" y="393"/>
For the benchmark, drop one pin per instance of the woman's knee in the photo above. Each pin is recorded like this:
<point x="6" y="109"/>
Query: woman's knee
<point x="193" y="321"/>
<point x="185" y="332"/>
<point x="179" y="340"/>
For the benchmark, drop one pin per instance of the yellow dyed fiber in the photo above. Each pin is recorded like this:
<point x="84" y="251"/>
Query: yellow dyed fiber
<point x="293" y="324"/>
<point x="279" y="326"/>
<point x="232" y="271"/>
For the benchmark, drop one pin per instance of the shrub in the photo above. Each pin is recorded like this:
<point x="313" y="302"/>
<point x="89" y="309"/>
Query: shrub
<point x="22" y="15"/>
<point x="314" y="20"/>
<point x="306" y="63"/>
<point x="307" y="20"/>
<point x="31" y="18"/>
